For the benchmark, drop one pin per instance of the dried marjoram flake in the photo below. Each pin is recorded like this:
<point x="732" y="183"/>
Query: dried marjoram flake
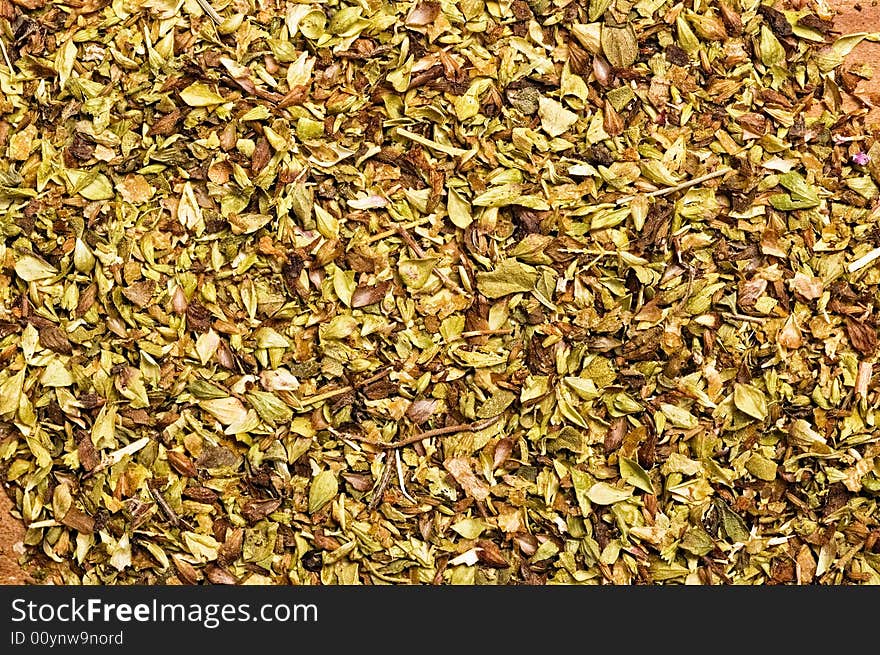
<point x="424" y="292"/>
<point x="862" y="336"/>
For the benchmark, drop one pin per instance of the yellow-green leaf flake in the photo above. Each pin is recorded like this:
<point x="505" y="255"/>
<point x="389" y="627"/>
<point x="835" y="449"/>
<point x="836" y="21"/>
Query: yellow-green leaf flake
<point x="750" y="400"/>
<point x="603" y="493"/>
<point x="324" y="489"/>
<point x="199" y="94"/>
<point x="509" y="276"/>
<point x="555" y="119"/>
<point x="31" y="269"/>
<point x="634" y="474"/>
<point x="459" y="209"/>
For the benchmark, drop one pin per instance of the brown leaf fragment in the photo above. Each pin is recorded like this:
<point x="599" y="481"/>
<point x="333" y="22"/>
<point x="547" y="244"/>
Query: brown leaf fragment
<point x="86" y="299"/>
<point x="8" y="327"/>
<point x="88" y="456"/>
<point x="750" y="292"/>
<point x="503" y="449"/>
<point x="460" y="469"/>
<point x="216" y="457"/>
<point x="364" y="296"/>
<point x="614" y="436"/>
<point x="426" y="76"/>
<point x="296" y="96"/>
<point x="182" y="464"/>
<point x="231" y="548"/>
<point x="255" y="510"/>
<point x="642" y="345"/>
<point x="186" y="571"/>
<point x="358" y="481"/>
<point x="55" y="339"/>
<point x="613" y="123"/>
<point x="200" y="494"/>
<point x="198" y="317"/>
<point x="139" y="416"/>
<point x="78" y="520"/>
<point x="166" y="125"/>
<point x="228" y="137"/>
<point x="776" y="19"/>
<point x="81" y="148"/>
<point x="421" y="410"/>
<point x="490" y="554"/>
<point x="526" y="542"/>
<point x="753" y="122"/>
<point x="325" y="542"/>
<point x="806" y="565"/>
<point x="808" y="288"/>
<point x="140" y="293"/>
<point x="790" y="335"/>
<point x="219" y="575"/>
<point x="731" y="19"/>
<point x="814" y="22"/>
<point x="782" y="570"/>
<point x="262" y="155"/>
<point x="422" y="14"/>
<point x="862" y="336"/>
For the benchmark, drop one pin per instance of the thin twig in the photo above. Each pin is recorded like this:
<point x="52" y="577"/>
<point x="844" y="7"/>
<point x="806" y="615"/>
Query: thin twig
<point x="391" y="232"/>
<point x="589" y="251"/>
<point x="743" y="317"/>
<point x="687" y="290"/>
<point x="375" y="378"/>
<point x="116" y="456"/>
<point x="400" y="477"/>
<point x="434" y="145"/>
<point x="438" y="432"/>
<point x="311" y="400"/>
<point x="341" y="391"/>
<point x="678" y="187"/>
<point x="6" y="58"/>
<point x="485" y="333"/>
<point x="208" y="9"/>
<point x="442" y="432"/>
<point x="382" y="576"/>
<point x="167" y="510"/>
<point x="379" y="489"/>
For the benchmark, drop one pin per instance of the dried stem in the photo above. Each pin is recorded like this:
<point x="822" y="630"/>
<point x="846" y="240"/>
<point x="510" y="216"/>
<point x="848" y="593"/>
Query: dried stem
<point x="167" y="510"/>
<point x="390" y="232"/>
<point x="210" y="11"/>
<point x="743" y="317"/>
<point x="437" y="432"/>
<point x="6" y="58"/>
<point x="679" y="187"/>
<point x="341" y="391"/>
<point x="485" y="333"/>
<point x="442" y="432"/>
<point x="400" y="479"/>
<point x="375" y="378"/>
<point x="379" y="489"/>
<point x="311" y="400"/>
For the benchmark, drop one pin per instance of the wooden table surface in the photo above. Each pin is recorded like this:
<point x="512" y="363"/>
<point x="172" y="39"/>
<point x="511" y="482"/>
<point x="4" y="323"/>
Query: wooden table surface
<point x="853" y="16"/>
<point x="863" y="16"/>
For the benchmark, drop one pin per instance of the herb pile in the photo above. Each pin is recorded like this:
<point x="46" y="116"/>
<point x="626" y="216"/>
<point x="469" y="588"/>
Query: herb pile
<point x="435" y="292"/>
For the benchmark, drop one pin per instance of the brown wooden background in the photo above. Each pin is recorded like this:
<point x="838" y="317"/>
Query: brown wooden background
<point x="853" y="16"/>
